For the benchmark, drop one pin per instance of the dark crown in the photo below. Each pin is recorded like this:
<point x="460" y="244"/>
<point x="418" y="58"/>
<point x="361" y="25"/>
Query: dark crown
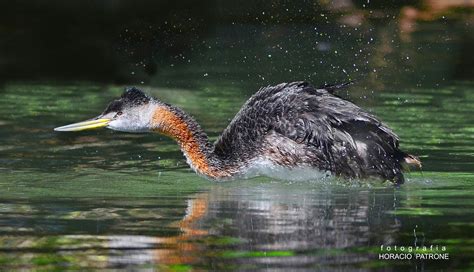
<point x="131" y="97"/>
<point x="135" y="96"/>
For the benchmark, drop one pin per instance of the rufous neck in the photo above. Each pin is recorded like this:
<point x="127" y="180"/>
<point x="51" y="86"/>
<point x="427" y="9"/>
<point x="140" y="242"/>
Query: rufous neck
<point x="194" y="143"/>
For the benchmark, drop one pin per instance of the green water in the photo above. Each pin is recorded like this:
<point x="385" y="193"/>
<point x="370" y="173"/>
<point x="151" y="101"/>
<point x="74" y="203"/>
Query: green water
<point x="104" y="199"/>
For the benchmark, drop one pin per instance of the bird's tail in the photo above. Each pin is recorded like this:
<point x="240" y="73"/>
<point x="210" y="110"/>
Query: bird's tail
<point x="410" y="160"/>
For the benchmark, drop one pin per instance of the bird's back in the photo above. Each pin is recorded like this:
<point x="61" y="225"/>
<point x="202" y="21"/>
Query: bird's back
<point x="295" y="124"/>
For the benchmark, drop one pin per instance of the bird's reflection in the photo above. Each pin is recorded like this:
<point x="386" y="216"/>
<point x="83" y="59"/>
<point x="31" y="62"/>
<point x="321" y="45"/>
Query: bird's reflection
<point x="276" y="217"/>
<point x="228" y="224"/>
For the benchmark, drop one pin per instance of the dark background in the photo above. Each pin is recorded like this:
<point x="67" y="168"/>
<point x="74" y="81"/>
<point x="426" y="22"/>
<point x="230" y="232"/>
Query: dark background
<point x="119" y="41"/>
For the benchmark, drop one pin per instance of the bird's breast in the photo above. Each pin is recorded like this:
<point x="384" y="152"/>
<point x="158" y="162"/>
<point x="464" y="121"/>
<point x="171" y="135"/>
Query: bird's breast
<point x="266" y="167"/>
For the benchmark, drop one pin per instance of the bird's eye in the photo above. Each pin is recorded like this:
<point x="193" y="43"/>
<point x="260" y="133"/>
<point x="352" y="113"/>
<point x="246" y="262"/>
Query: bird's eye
<point x="118" y="113"/>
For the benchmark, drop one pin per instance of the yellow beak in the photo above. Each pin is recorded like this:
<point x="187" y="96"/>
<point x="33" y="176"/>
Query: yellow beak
<point x="85" y="125"/>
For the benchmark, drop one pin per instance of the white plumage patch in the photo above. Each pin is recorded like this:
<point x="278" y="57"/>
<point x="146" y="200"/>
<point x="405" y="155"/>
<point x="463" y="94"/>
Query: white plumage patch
<point x="265" y="167"/>
<point x="136" y="120"/>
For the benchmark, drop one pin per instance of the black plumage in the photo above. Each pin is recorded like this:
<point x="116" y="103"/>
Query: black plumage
<point x="319" y="129"/>
<point x="131" y="97"/>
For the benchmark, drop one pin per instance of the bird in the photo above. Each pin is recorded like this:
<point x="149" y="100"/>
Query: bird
<point x="290" y="131"/>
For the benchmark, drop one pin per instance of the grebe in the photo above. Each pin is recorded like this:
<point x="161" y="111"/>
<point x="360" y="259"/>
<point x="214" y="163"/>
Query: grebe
<point x="289" y="131"/>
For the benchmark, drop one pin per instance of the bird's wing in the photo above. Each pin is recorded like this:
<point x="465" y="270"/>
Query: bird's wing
<point x="339" y="136"/>
<point x="243" y="137"/>
<point x="348" y="138"/>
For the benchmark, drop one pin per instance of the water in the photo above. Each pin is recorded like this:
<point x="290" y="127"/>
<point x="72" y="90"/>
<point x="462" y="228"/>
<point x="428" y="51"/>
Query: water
<point x="103" y="199"/>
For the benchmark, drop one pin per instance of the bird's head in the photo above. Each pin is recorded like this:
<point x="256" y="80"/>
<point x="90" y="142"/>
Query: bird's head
<point x="132" y="112"/>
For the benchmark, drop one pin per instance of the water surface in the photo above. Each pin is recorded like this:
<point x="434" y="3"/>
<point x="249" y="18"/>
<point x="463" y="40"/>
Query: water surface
<point x="104" y="199"/>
